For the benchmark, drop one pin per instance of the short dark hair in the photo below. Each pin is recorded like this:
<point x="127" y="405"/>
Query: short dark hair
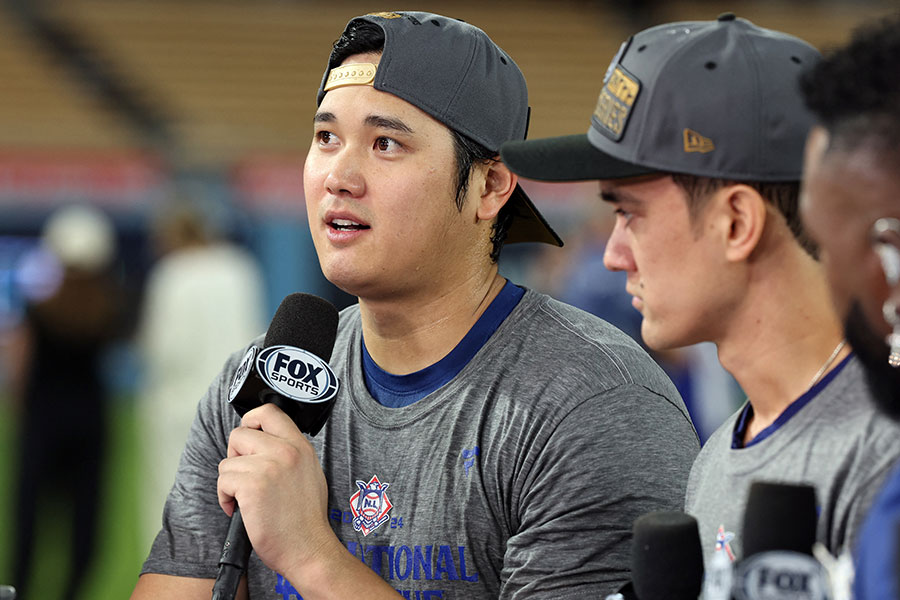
<point x="783" y="195"/>
<point x="855" y="90"/>
<point x="359" y="37"/>
<point x="362" y="37"/>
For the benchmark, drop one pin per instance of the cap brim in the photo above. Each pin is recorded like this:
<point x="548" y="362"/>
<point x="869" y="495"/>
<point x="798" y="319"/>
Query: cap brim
<point x="528" y="224"/>
<point x="566" y="158"/>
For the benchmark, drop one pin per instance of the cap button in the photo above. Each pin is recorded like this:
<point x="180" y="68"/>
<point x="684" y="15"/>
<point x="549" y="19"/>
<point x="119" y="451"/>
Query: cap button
<point x="727" y="16"/>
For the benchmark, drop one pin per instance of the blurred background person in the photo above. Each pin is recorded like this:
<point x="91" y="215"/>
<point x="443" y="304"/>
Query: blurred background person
<point x="203" y="297"/>
<point x="69" y="321"/>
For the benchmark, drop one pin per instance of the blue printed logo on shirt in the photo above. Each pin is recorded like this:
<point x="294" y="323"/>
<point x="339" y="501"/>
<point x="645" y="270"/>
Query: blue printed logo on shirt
<point x="469" y="458"/>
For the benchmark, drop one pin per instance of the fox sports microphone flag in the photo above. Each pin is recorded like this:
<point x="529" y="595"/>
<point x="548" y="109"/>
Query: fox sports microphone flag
<point x="291" y="371"/>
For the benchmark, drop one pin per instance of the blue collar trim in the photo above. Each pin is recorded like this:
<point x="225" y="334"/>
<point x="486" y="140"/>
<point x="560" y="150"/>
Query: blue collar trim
<point x="402" y="390"/>
<point x="740" y="427"/>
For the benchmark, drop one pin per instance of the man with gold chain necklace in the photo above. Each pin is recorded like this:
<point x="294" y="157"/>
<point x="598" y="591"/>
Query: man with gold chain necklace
<point x="697" y="141"/>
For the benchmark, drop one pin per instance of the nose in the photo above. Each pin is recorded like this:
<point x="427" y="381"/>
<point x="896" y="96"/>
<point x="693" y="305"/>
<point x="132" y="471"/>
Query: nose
<point x="345" y="176"/>
<point x="617" y="255"/>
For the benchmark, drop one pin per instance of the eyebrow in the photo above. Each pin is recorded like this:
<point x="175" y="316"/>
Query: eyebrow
<point x="377" y="121"/>
<point x="618" y="196"/>
<point x="324" y="117"/>
<point x="388" y="123"/>
<point x="610" y="196"/>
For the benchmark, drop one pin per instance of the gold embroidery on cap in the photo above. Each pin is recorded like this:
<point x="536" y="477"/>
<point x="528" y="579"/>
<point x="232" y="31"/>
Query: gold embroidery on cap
<point x="385" y="15"/>
<point x="694" y="142"/>
<point x="356" y="74"/>
<point x="616" y="100"/>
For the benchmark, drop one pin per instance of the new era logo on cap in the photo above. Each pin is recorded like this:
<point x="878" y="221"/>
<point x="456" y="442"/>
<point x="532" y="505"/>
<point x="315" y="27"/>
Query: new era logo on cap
<point x="694" y="142"/>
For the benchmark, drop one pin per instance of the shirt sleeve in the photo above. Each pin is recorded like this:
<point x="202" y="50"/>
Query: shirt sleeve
<point x="193" y="523"/>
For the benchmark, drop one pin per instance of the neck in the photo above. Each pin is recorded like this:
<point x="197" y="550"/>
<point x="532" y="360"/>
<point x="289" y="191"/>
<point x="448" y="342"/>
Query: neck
<point x="404" y="337"/>
<point x="783" y="340"/>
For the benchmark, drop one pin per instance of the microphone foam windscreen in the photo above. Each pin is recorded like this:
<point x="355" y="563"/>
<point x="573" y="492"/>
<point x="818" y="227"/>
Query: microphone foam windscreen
<point x="666" y="557"/>
<point x="779" y="516"/>
<point x="306" y="322"/>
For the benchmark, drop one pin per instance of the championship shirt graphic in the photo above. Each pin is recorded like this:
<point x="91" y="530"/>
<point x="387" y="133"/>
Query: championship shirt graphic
<point x="370" y="505"/>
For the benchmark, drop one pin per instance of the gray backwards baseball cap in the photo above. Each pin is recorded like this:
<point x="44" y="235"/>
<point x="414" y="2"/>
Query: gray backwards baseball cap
<point x="454" y="72"/>
<point x="717" y="99"/>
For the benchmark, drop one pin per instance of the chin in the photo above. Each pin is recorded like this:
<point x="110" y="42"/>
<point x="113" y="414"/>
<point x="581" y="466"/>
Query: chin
<point x="658" y="341"/>
<point x="872" y="351"/>
<point x="347" y="284"/>
<point x="342" y="276"/>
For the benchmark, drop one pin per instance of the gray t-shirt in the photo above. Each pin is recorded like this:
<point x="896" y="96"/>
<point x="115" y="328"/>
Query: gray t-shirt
<point x="837" y="442"/>
<point x="521" y="477"/>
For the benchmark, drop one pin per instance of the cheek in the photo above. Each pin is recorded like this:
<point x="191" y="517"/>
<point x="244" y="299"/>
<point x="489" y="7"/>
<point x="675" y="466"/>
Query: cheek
<point x="311" y="181"/>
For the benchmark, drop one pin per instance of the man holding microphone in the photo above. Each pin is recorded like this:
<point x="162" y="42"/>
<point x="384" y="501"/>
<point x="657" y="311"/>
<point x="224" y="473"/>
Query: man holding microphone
<point x="487" y="441"/>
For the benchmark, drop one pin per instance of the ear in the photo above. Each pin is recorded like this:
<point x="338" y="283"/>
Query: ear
<point x="499" y="184"/>
<point x="745" y="213"/>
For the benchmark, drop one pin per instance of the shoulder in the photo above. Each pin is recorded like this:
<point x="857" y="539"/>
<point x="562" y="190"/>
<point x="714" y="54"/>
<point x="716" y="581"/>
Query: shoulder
<point x="562" y="360"/>
<point x="851" y="410"/>
<point x="563" y="317"/>
<point x="567" y="330"/>
<point x="561" y="339"/>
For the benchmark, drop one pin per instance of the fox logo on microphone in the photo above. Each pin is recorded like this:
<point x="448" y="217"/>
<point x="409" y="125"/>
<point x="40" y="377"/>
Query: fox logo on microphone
<point x="781" y="575"/>
<point x="297" y="374"/>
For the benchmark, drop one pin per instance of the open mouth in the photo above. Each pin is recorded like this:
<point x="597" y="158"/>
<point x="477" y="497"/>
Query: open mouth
<point x="346" y="225"/>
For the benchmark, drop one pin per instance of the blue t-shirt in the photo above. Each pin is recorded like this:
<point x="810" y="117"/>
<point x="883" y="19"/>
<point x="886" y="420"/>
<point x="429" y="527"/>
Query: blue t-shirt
<point x="877" y="569"/>
<point x="396" y="391"/>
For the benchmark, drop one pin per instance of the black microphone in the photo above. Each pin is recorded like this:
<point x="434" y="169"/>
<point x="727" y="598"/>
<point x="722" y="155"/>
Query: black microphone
<point x="779" y="531"/>
<point x="292" y="372"/>
<point x="779" y="516"/>
<point x="666" y="557"/>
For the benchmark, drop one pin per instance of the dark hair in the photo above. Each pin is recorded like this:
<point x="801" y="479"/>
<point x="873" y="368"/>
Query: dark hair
<point x="855" y="90"/>
<point x="361" y="37"/>
<point x="783" y="195"/>
<point x="468" y="152"/>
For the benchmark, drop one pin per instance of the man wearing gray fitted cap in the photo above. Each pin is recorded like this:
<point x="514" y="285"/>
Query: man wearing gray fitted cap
<point x="487" y="441"/>
<point x="697" y="140"/>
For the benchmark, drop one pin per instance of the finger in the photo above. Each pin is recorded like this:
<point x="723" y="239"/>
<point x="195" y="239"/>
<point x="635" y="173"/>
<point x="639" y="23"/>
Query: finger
<point x="237" y="476"/>
<point x="225" y="486"/>
<point x="243" y="441"/>
<point x="270" y="419"/>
